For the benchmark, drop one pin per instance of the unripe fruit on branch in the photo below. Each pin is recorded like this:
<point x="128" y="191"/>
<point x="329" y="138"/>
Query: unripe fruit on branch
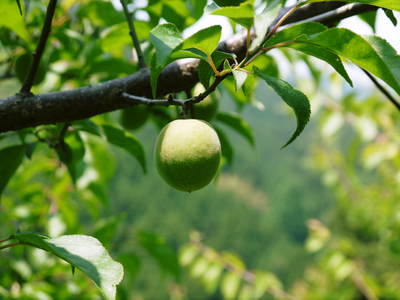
<point x="134" y="117"/>
<point x="187" y="154"/>
<point x="205" y="109"/>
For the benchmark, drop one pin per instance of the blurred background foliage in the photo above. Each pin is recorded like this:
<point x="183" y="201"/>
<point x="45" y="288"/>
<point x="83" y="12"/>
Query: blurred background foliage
<point x="317" y="220"/>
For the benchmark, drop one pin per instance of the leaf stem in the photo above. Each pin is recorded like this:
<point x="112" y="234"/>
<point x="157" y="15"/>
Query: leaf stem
<point x="37" y="55"/>
<point x="132" y="33"/>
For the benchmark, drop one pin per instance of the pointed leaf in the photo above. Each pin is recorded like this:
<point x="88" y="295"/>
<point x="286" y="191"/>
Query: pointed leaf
<point x="10" y="159"/>
<point x="347" y="44"/>
<point x="126" y="141"/>
<point x="389" y="13"/>
<point x="10" y="17"/>
<point x="240" y="78"/>
<point x="325" y="55"/>
<point x="205" y="40"/>
<point x="230" y="285"/>
<point x="235" y="121"/>
<point x="84" y="253"/>
<point x="165" y="38"/>
<point x="242" y="14"/>
<point x="262" y="22"/>
<point x="294" y="98"/>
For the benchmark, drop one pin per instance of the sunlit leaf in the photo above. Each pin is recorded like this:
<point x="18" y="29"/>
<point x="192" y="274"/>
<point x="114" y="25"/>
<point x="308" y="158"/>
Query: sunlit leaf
<point x="84" y="253"/>
<point x="242" y="14"/>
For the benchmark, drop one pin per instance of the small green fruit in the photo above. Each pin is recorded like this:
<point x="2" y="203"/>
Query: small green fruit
<point x="205" y="109"/>
<point x="134" y="117"/>
<point x="187" y="154"/>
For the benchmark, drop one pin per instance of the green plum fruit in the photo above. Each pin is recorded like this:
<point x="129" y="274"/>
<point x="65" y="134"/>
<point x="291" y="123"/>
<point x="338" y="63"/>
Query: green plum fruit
<point x="187" y="153"/>
<point x="134" y="117"/>
<point x="205" y="109"/>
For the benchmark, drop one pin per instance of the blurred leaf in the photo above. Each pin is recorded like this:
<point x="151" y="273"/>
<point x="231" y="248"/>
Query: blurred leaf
<point x="10" y="159"/>
<point x="197" y="7"/>
<point x="102" y="13"/>
<point x="294" y="98"/>
<point x="106" y="229"/>
<point x="240" y="77"/>
<point x="157" y="248"/>
<point x="229" y="2"/>
<point x="235" y="121"/>
<point x="369" y="18"/>
<point x="264" y="281"/>
<point x="126" y="141"/>
<point x="10" y="17"/>
<point x="187" y="254"/>
<point x="242" y="14"/>
<point x="87" y="126"/>
<point x="212" y="276"/>
<point x="199" y="267"/>
<point x="19" y="6"/>
<point x="262" y="21"/>
<point x="226" y="147"/>
<point x="230" y="285"/>
<point x="131" y="263"/>
<point x="82" y="252"/>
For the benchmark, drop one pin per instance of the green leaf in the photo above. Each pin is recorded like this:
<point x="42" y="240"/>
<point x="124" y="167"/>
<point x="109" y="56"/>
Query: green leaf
<point x="325" y="55"/>
<point x="10" y="159"/>
<point x="10" y="17"/>
<point x="230" y="285"/>
<point x="294" y="98"/>
<point x="165" y="38"/>
<point x="205" y="40"/>
<point x="387" y="53"/>
<point x="235" y="121"/>
<point x="226" y="146"/>
<point x="389" y="13"/>
<point x="206" y="72"/>
<point x="157" y="248"/>
<point x="390" y="4"/>
<point x="126" y="141"/>
<point x="349" y="45"/>
<point x="294" y="32"/>
<point x="19" y="6"/>
<point x="240" y="78"/>
<point x="84" y="253"/>
<point x="242" y="14"/>
<point x="262" y="22"/>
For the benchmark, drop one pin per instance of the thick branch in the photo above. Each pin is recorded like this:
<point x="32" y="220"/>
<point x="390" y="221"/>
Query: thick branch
<point x="17" y="112"/>
<point x="37" y="55"/>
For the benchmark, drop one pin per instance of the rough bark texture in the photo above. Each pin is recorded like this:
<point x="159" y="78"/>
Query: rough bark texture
<point x="17" y="112"/>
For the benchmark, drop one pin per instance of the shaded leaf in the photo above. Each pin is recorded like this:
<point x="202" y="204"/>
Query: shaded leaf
<point x="206" y="72"/>
<point x="294" y="98"/>
<point x="235" y="121"/>
<point x="10" y="159"/>
<point x="226" y="147"/>
<point x="126" y="141"/>
<point x="391" y="16"/>
<point x="390" y="4"/>
<point x="84" y="253"/>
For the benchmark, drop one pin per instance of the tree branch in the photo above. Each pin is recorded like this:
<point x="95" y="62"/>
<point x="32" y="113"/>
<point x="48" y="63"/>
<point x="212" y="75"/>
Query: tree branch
<point x="17" y="112"/>
<point x="132" y="33"/>
<point x="37" y="55"/>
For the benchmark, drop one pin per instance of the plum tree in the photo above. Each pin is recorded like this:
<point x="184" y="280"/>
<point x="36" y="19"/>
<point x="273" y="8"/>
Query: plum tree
<point x="187" y="154"/>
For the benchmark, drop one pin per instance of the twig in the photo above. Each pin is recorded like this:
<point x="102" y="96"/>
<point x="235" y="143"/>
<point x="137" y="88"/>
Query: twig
<point x="177" y="102"/>
<point x="5" y="240"/>
<point x="37" y="55"/>
<point x="132" y="33"/>
<point x="10" y="245"/>
<point x="383" y="90"/>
